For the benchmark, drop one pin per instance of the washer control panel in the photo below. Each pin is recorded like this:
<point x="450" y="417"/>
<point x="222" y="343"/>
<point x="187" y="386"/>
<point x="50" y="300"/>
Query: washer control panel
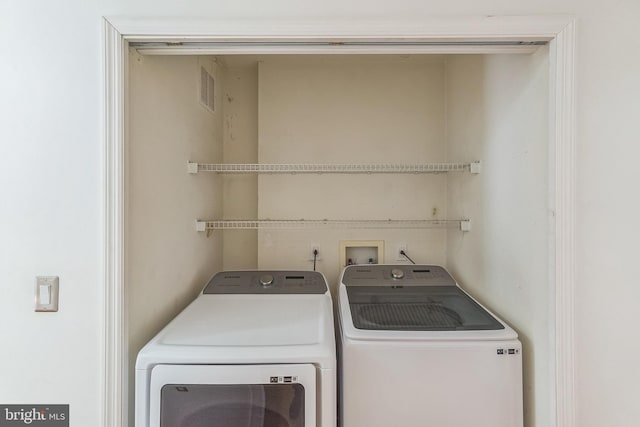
<point x="267" y="282"/>
<point x="396" y="275"/>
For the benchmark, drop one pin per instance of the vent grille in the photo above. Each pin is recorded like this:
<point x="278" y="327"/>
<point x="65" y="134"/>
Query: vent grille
<point x="207" y="90"/>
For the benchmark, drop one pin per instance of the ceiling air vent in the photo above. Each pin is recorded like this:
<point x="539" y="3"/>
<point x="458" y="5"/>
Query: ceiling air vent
<point x="207" y="85"/>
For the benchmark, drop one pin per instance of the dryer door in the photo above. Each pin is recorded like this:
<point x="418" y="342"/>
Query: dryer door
<point x="233" y="396"/>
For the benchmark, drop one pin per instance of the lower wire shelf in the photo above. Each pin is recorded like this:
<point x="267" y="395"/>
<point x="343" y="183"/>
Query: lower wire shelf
<point x="259" y="224"/>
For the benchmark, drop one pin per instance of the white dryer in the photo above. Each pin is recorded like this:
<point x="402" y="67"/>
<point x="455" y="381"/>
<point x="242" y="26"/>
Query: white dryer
<point x="254" y="349"/>
<point x="416" y="350"/>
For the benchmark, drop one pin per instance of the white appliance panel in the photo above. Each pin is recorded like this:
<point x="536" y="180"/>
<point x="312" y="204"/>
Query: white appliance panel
<point x="249" y="320"/>
<point x="448" y="384"/>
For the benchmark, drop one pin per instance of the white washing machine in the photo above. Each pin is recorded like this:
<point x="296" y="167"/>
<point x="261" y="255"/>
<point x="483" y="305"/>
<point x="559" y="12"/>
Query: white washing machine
<point x="254" y="349"/>
<point x="416" y="350"/>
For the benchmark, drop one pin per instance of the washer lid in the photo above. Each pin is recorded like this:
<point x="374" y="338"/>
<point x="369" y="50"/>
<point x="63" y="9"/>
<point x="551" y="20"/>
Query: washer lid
<point x="417" y="308"/>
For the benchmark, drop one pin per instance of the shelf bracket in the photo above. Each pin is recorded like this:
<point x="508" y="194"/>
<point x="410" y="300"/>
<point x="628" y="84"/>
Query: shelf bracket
<point x="192" y="167"/>
<point x="465" y="225"/>
<point x="202" y="226"/>
<point x="474" y="167"/>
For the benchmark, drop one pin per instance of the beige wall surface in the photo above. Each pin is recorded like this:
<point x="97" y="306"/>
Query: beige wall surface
<point x="350" y="110"/>
<point x="52" y="204"/>
<point x="497" y="107"/>
<point x="168" y="263"/>
<point x="239" y="94"/>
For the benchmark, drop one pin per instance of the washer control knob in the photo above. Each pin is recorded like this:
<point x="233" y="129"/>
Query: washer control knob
<point x="266" y="280"/>
<point x="397" y="273"/>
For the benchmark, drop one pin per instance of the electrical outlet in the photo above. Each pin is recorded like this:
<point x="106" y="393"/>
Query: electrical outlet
<point x="399" y="256"/>
<point x="314" y="247"/>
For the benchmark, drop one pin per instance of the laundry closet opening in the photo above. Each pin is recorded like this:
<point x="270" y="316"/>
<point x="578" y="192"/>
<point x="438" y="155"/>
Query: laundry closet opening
<point x="462" y="146"/>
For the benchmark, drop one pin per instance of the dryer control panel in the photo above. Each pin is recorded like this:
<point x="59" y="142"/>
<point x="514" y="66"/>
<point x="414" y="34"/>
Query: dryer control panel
<point x="267" y="282"/>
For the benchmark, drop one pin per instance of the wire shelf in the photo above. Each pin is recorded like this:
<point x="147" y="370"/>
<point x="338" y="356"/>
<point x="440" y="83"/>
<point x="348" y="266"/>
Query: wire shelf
<point x="294" y="168"/>
<point x="258" y="224"/>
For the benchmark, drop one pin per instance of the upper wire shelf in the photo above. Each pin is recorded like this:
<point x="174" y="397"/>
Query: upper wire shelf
<point x="294" y="168"/>
<point x="257" y="224"/>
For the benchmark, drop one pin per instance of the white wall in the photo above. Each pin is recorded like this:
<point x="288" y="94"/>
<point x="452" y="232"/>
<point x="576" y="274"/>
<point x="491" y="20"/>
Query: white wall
<point x="350" y="110"/>
<point x="168" y="263"/>
<point x="51" y="205"/>
<point x="497" y="108"/>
